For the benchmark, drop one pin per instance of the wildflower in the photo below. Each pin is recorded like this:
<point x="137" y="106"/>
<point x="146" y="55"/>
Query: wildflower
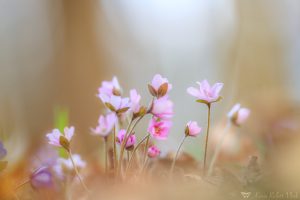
<point x="160" y="86"/>
<point x="238" y="115"/>
<point x="65" y="165"/>
<point x="153" y="151"/>
<point x="110" y="87"/>
<point x="41" y="178"/>
<point x="115" y="103"/>
<point x="56" y="138"/>
<point x="162" y="108"/>
<point x="192" y="129"/>
<point x="130" y="141"/>
<point x="105" y="125"/>
<point x="206" y="93"/>
<point x="135" y="99"/>
<point x="159" y="129"/>
<point x="3" y="151"/>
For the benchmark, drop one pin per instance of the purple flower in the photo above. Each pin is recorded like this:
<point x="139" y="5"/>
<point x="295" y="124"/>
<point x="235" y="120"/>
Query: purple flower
<point x="115" y="103"/>
<point x="205" y="92"/>
<point x="110" y="87"/>
<point x="162" y="108"/>
<point x="105" y="125"/>
<point x="160" y="86"/>
<point x="130" y="141"/>
<point x="153" y="151"/>
<point x="41" y="178"/>
<point x="238" y="115"/>
<point x="54" y="136"/>
<point x="159" y="129"/>
<point x="135" y="99"/>
<point x="3" y="151"/>
<point x="192" y="129"/>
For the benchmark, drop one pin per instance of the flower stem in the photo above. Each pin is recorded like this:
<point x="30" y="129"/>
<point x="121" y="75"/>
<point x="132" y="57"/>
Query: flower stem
<point x="176" y="155"/>
<point x="22" y="184"/>
<point x="106" y="152"/>
<point x="206" y="140"/>
<point x="115" y="150"/>
<point x="134" y="151"/>
<point x="218" y="148"/>
<point x="146" y="148"/>
<point x="77" y="172"/>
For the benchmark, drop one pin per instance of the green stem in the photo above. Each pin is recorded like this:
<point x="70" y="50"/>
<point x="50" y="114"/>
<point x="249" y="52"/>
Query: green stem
<point x="134" y="151"/>
<point x="77" y="172"/>
<point x="176" y="155"/>
<point x="218" y="148"/>
<point x="206" y="141"/>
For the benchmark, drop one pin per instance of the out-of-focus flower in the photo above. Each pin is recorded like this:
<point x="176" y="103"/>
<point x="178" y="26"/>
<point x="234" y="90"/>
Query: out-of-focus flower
<point x="130" y="141"/>
<point x="206" y="93"/>
<point x="41" y="178"/>
<point x="115" y="103"/>
<point x="135" y="99"/>
<point x="65" y="165"/>
<point x="105" y="125"/>
<point x="153" y="151"/>
<point x="162" y="108"/>
<point x="110" y="87"/>
<point x="159" y="129"/>
<point x="160" y="86"/>
<point x="56" y="138"/>
<point x="192" y="129"/>
<point x="238" y="115"/>
<point x="3" y="151"/>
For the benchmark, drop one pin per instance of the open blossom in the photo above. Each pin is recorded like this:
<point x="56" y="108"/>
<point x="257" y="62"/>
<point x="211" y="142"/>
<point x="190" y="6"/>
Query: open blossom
<point x="41" y="178"/>
<point x="238" y="115"/>
<point x="153" y="151"/>
<point x="65" y="165"/>
<point x="110" y="87"/>
<point x="159" y="86"/>
<point x="54" y="136"/>
<point x="159" y="129"/>
<point x="205" y="92"/>
<point x="115" y="103"/>
<point x="135" y="99"/>
<point x="3" y="151"/>
<point x="105" y="124"/>
<point x="130" y="141"/>
<point x="192" y="129"/>
<point x="162" y="108"/>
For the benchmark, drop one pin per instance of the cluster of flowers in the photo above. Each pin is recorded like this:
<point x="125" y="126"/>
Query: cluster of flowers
<point x="111" y="125"/>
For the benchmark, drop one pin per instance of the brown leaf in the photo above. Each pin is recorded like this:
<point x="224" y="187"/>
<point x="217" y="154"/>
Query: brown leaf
<point x="162" y="90"/>
<point x="64" y="142"/>
<point x="152" y="90"/>
<point x="122" y="110"/>
<point x="111" y="107"/>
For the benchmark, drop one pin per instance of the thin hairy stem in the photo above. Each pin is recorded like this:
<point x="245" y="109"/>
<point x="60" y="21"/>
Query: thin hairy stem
<point x="176" y="155"/>
<point x="206" y="140"/>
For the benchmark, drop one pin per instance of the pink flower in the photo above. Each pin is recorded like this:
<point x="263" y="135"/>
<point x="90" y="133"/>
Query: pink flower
<point x="115" y="103"/>
<point x="205" y="92"/>
<point x="162" y="108"/>
<point x="153" y="151"/>
<point x="110" y="87"/>
<point x="105" y="125"/>
<point x="159" y="129"/>
<point x="192" y="129"/>
<point x="238" y="115"/>
<point x="135" y="99"/>
<point x="130" y="141"/>
<point x="54" y="136"/>
<point x="160" y="86"/>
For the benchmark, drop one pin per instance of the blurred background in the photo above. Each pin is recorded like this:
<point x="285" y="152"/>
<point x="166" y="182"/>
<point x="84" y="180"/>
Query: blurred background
<point x="55" y="54"/>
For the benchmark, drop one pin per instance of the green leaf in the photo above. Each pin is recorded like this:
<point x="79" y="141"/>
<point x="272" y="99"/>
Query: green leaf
<point x="61" y="120"/>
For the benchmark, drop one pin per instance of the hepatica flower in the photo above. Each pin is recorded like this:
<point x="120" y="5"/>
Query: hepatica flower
<point x="159" y="86"/>
<point x="41" y="178"/>
<point x="105" y="125"/>
<point x="65" y="165"/>
<point x="162" y="108"/>
<point x="130" y="141"/>
<point x="110" y="87"/>
<point x="206" y="93"/>
<point x="115" y="103"/>
<point x="238" y="115"/>
<point x="3" y="151"/>
<point x="135" y="99"/>
<point x="159" y="129"/>
<point x="56" y="138"/>
<point x="192" y="129"/>
<point x="153" y="152"/>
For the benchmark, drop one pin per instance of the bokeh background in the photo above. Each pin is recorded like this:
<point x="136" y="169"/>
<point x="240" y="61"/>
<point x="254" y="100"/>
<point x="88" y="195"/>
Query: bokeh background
<point x="54" y="55"/>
